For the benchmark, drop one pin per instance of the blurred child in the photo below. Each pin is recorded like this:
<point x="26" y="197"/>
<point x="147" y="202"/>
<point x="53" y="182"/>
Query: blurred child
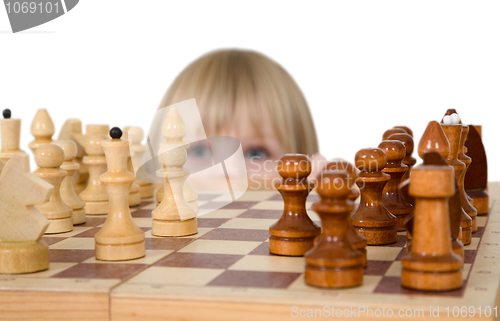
<point x="246" y="95"/>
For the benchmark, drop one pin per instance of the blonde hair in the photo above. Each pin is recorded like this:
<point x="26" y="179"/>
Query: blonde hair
<point x="224" y="81"/>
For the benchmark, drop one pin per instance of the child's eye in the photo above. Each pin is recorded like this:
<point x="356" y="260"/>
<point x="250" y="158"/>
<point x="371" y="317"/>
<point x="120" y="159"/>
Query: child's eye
<point x="199" y="152"/>
<point x="257" y="153"/>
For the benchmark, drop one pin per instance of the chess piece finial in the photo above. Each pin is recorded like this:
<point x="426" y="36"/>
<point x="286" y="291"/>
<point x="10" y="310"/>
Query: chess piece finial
<point x="476" y="180"/>
<point x="432" y="266"/>
<point x="391" y="197"/>
<point x="42" y="128"/>
<point x="371" y="219"/>
<point x="434" y="139"/>
<point x="407" y="129"/>
<point x="49" y="158"/>
<point x="68" y="195"/>
<point x="391" y="131"/>
<point x="137" y="150"/>
<point x="94" y="195"/>
<point x="22" y="249"/>
<point x="174" y="130"/>
<point x="356" y="239"/>
<point x="408" y="160"/>
<point x="119" y="238"/>
<point x="6" y="113"/>
<point x="453" y="134"/>
<point x="294" y="233"/>
<point x="334" y="262"/>
<point x="174" y="216"/>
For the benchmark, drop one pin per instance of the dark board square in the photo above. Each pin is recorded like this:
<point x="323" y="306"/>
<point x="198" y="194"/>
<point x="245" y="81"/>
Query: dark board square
<point x="254" y="279"/>
<point x="469" y="256"/>
<point x="401" y="241"/>
<point x="76" y="256"/>
<point x="262" y="249"/>
<point x="52" y="239"/>
<point x="141" y="213"/>
<point x="101" y="271"/>
<point x="266" y="214"/>
<point x="377" y="267"/>
<point x="392" y="285"/>
<point x="200" y="260"/>
<point x="479" y="233"/>
<point x="240" y="205"/>
<point x="167" y="243"/>
<point x="89" y="233"/>
<point x="92" y="221"/>
<point x="211" y="222"/>
<point x="229" y="234"/>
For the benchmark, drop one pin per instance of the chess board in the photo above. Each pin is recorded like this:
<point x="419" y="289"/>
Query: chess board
<point x="225" y="272"/>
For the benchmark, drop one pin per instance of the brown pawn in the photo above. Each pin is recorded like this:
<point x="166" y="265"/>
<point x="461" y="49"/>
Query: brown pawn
<point x="407" y="129"/>
<point x="94" y="195"/>
<point x="476" y="181"/>
<point x="294" y="233"/>
<point x="469" y="209"/>
<point x="409" y="160"/>
<point x="68" y="195"/>
<point x="371" y="219"/>
<point x="48" y="158"/>
<point x="392" y="199"/>
<point x="453" y="133"/>
<point x="431" y="264"/>
<point x="356" y="239"/>
<point x="392" y="131"/>
<point x="334" y="262"/>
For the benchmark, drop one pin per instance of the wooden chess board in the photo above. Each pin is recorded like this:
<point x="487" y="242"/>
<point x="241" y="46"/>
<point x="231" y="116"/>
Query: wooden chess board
<point x="225" y="272"/>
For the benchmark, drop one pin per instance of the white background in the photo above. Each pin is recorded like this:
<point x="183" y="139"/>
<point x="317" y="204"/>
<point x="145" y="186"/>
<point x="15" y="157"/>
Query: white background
<point x="364" y="66"/>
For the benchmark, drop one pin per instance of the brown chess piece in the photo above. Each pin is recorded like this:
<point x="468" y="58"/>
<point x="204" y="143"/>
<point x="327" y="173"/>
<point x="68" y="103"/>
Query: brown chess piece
<point x="119" y="238"/>
<point x="371" y="219"/>
<point x="392" y="131"/>
<point x="469" y="209"/>
<point x="94" y="195"/>
<point x="431" y="264"/>
<point x="453" y="134"/>
<point x="476" y="180"/>
<point x="434" y="140"/>
<point x="48" y="158"/>
<point x="334" y="262"/>
<point x="356" y="239"/>
<point x="294" y="233"/>
<point x="409" y="160"/>
<point x="391" y="197"/>
<point x="68" y="195"/>
<point x="407" y="129"/>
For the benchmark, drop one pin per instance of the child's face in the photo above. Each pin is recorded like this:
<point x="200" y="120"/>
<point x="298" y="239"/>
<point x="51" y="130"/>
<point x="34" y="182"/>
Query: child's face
<point x="261" y="154"/>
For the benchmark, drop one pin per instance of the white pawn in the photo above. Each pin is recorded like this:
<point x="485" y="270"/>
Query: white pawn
<point x="48" y="158"/>
<point x="174" y="216"/>
<point x="68" y="194"/>
<point x="173" y="130"/>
